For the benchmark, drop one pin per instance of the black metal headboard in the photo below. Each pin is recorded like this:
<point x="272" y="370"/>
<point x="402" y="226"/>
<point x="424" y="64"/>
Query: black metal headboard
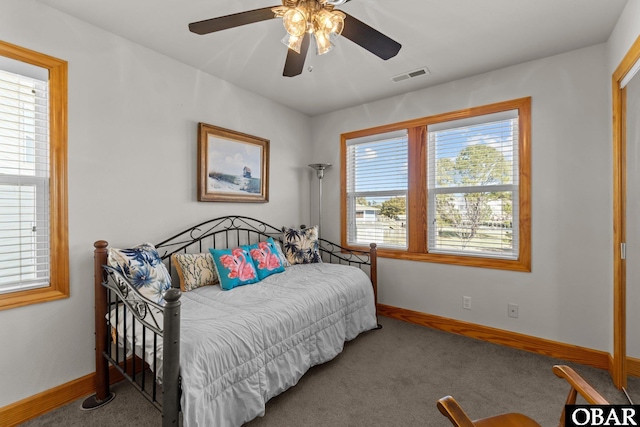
<point x="223" y="232"/>
<point x="231" y="231"/>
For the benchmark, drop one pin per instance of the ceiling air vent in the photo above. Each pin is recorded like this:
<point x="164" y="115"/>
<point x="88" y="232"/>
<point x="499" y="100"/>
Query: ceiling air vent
<point x="424" y="71"/>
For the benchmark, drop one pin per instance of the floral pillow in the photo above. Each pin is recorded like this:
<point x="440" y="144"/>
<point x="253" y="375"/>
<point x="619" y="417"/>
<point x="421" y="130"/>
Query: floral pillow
<point x="234" y="267"/>
<point x="194" y="270"/>
<point x="301" y="245"/>
<point x="265" y="258"/>
<point x="283" y="258"/>
<point x="143" y="268"/>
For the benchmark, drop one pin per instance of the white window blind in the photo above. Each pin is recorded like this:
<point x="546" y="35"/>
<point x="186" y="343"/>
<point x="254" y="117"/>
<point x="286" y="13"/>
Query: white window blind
<point x="377" y="183"/>
<point x="473" y="186"/>
<point x="24" y="177"/>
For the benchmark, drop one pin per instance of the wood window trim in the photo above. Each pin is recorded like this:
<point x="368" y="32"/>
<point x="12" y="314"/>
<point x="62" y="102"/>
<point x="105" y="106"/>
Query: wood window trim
<point x="58" y="208"/>
<point x="417" y="195"/>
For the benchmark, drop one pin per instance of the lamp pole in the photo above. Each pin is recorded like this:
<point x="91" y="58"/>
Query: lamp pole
<point x="320" y="168"/>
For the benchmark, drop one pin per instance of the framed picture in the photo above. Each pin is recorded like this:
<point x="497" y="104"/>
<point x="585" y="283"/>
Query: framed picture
<point x="232" y="166"/>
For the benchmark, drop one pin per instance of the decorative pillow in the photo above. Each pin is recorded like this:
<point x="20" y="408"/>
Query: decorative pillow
<point x="265" y="258"/>
<point x="234" y="267"/>
<point x="301" y="245"/>
<point x="194" y="270"/>
<point x="283" y="258"/>
<point x="142" y="267"/>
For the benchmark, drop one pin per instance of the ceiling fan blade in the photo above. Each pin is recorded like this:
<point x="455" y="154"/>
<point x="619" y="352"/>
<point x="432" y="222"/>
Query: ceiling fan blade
<point x="229" y="21"/>
<point x="295" y="61"/>
<point x="369" y="38"/>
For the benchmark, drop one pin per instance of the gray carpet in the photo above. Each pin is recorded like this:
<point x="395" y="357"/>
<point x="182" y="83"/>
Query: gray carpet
<point x="391" y="377"/>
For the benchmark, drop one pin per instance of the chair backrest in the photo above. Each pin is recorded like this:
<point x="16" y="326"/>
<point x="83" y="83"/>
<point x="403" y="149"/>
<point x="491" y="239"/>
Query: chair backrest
<point x="578" y="386"/>
<point x="452" y="410"/>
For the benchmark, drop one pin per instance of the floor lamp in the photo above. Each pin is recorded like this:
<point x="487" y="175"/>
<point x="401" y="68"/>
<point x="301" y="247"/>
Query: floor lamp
<point x="320" y="168"/>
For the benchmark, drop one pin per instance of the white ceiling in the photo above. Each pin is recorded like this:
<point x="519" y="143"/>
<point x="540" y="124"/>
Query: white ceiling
<point x="452" y="38"/>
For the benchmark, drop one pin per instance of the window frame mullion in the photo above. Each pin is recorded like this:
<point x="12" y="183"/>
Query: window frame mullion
<point x="417" y="231"/>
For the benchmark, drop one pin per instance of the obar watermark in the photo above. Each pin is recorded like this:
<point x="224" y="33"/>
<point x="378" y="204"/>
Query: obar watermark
<point x="602" y="415"/>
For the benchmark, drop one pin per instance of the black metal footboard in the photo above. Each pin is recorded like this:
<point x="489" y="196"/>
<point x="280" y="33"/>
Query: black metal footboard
<point x="137" y="327"/>
<point x="131" y="330"/>
<point x="336" y="254"/>
<point x="136" y="339"/>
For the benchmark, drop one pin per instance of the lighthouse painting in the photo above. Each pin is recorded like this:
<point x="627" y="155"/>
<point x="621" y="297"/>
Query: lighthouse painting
<point x="232" y="166"/>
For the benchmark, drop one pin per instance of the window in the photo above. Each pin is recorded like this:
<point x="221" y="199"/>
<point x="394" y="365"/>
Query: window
<point x="377" y="189"/>
<point x="473" y="186"/>
<point x="452" y="188"/>
<point x="33" y="156"/>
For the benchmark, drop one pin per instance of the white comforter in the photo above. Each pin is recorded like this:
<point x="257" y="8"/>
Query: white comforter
<point x="240" y="348"/>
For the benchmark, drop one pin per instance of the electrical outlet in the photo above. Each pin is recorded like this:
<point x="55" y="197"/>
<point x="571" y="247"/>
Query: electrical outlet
<point x="466" y="303"/>
<point x="512" y="310"/>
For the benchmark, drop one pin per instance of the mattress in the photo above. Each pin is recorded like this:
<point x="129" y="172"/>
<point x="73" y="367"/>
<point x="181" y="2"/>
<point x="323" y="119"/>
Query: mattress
<point x="242" y="347"/>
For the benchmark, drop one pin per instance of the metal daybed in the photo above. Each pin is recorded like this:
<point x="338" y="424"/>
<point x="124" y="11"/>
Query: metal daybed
<point x="141" y="340"/>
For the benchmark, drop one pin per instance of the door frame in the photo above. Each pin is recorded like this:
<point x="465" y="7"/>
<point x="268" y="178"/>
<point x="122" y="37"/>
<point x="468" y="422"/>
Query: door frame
<point x="619" y="103"/>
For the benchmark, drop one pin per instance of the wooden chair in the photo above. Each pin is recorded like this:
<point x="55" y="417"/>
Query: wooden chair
<point x="452" y="410"/>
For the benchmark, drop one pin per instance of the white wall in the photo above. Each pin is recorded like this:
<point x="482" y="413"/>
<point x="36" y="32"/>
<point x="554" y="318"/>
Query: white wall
<point x="132" y="148"/>
<point x="133" y="118"/>
<point x="623" y="35"/>
<point x="567" y="296"/>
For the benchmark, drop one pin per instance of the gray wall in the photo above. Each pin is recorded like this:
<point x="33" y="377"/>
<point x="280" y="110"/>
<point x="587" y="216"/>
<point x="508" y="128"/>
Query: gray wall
<point x="133" y="118"/>
<point x="132" y="154"/>
<point x="567" y="296"/>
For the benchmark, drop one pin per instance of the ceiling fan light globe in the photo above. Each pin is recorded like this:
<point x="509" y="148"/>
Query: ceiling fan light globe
<point x="322" y="21"/>
<point x="337" y="19"/>
<point x="323" y="43"/>
<point x="293" y="42"/>
<point x="295" y="22"/>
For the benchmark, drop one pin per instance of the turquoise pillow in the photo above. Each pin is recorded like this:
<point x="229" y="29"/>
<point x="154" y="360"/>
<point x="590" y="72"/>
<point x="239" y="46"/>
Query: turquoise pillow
<point x="265" y="258"/>
<point x="234" y="267"/>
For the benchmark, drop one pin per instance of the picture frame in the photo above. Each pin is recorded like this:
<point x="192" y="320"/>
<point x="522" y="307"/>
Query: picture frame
<point x="232" y="166"/>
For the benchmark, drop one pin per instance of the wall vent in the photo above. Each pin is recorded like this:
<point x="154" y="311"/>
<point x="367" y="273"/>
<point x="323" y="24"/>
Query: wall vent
<point x="424" y="71"/>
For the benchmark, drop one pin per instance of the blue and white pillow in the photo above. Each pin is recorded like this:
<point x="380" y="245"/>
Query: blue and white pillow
<point x="266" y="258"/>
<point x="301" y="245"/>
<point x="234" y="267"/>
<point x="143" y="268"/>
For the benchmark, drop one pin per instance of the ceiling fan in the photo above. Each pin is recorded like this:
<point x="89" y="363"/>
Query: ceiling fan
<point x="303" y="19"/>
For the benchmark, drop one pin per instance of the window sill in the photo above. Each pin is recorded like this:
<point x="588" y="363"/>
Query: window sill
<point x="33" y="296"/>
<point x="523" y="264"/>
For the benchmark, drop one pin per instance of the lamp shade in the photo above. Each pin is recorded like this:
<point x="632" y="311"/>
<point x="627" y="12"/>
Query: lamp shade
<point x="320" y="168"/>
